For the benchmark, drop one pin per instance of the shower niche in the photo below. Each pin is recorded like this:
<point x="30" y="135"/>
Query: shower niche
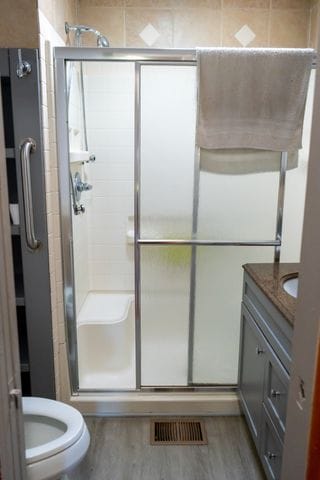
<point x="153" y="277"/>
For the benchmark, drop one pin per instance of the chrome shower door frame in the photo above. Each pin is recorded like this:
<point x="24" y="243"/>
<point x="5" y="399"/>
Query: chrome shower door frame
<point x="139" y="57"/>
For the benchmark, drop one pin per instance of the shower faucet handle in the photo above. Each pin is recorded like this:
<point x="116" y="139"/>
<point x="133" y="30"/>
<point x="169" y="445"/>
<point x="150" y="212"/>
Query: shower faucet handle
<point x="80" y="186"/>
<point x="79" y="209"/>
<point x="83" y="187"/>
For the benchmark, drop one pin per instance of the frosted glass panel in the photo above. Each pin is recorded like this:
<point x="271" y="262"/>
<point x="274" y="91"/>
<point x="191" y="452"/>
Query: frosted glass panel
<point x="296" y="181"/>
<point x="168" y="114"/>
<point x="238" y="207"/>
<point x="165" y="289"/>
<point x="219" y="279"/>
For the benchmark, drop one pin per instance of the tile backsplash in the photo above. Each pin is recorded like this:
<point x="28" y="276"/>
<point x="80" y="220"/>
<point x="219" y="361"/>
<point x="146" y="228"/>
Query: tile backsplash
<point x="190" y="23"/>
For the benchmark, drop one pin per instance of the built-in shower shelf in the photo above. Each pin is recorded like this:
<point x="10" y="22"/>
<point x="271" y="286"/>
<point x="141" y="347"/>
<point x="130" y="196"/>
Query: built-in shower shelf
<point x="130" y="237"/>
<point x="10" y="153"/>
<point x="104" y="309"/>
<point x="20" y="300"/>
<point x="15" y="229"/>
<point x="24" y="360"/>
<point x="24" y="366"/>
<point x="79" y="156"/>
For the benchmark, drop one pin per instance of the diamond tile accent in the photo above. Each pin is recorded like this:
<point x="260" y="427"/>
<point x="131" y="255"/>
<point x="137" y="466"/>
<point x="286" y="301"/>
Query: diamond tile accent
<point x="245" y="35"/>
<point x="149" y="35"/>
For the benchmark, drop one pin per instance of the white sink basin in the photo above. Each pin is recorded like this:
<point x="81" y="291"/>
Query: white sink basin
<point x="291" y="286"/>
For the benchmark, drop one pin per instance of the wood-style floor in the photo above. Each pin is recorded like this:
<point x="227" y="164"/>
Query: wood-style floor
<point x="120" y="450"/>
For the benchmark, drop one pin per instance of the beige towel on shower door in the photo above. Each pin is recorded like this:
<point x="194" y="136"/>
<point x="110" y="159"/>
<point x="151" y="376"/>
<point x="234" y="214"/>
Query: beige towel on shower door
<point x="252" y="97"/>
<point x="244" y="161"/>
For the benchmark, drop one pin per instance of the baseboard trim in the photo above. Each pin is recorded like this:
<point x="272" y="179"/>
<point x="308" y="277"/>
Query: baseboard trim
<point x="149" y="404"/>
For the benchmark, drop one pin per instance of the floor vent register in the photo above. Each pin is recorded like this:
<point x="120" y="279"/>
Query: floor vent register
<point x="178" y="432"/>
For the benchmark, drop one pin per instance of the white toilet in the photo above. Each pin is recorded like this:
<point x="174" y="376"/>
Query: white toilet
<point x="56" y="438"/>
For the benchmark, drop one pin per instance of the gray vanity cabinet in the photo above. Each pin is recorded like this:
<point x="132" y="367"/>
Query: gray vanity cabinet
<point x="263" y="378"/>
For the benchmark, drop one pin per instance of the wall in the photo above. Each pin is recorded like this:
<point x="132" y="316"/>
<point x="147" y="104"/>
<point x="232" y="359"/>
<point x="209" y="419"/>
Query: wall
<point x="47" y="39"/>
<point x="314" y="24"/>
<point x="190" y="23"/>
<point x="19" y="24"/>
<point x="57" y="12"/>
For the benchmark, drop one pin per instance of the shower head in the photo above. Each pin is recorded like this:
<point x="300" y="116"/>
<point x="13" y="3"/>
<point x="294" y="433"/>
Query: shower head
<point x="102" y="41"/>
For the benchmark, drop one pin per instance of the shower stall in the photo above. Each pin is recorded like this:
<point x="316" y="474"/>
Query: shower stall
<point x="153" y="258"/>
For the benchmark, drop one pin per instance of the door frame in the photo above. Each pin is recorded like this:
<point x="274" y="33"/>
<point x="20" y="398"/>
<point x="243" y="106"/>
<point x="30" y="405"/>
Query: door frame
<point x="302" y="443"/>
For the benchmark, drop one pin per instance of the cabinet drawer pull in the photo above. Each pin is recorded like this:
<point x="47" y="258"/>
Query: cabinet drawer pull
<point x="275" y="393"/>
<point x="259" y="351"/>
<point x="271" y="456"/>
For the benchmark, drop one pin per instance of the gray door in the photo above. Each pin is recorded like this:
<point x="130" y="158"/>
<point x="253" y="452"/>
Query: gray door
<point x="11" y="426"/>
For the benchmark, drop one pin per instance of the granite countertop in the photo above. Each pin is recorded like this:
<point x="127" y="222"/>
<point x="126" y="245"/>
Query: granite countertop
<point x="269" y="277"/>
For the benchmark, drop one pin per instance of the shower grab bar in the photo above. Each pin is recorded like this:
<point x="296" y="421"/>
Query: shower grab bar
<point x="28" y="146"/>
<point x="203" y="243"/>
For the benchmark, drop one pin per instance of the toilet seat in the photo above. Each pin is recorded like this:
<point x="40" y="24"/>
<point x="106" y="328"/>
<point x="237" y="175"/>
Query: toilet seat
<point x="65" y="414"/>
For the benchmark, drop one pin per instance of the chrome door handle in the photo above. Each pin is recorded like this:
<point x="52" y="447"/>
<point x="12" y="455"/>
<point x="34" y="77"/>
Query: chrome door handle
<point x="28" y="145"/>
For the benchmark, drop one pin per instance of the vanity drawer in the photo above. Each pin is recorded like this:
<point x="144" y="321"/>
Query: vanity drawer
<point x="271" y="448"/>
<point x="276" y="388"/>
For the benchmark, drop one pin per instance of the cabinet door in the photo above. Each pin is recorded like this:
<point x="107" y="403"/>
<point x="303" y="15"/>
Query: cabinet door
<point x="251" y="373"/>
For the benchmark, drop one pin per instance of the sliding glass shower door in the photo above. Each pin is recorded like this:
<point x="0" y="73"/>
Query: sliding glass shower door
<point x="153" y="270"/>
<point x="191" y="295"/>
<point x="168" y="108"/>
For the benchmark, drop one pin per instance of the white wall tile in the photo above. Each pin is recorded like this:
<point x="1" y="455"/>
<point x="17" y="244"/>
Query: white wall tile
<point x="112" y="171"/>
<point x="116" y="154"/>
<point x="113" y="137"/>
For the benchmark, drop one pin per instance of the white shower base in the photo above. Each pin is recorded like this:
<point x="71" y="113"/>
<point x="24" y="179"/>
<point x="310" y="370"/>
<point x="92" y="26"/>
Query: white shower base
<point x="106" y="342"/>
<point x="106" y="357"/>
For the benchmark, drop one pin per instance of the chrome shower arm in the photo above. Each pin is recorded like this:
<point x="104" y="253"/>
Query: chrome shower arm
<point x="102" y="41"/>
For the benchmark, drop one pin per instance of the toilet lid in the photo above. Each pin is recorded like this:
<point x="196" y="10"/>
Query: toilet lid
<point x="71" y="419"/>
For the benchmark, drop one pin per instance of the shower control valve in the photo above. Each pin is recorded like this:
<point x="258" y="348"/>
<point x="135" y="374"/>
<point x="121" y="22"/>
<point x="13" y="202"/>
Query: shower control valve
<point x="79" y="186"/>
<point x="83" y="187"/>
<point x="79" y="209"/>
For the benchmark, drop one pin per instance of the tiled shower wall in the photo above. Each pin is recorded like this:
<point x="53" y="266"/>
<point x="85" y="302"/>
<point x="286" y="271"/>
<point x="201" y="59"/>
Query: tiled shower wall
<point x="110" y="120"/>
<point x="190" y="23"/>
<point x="80" y="223"/>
